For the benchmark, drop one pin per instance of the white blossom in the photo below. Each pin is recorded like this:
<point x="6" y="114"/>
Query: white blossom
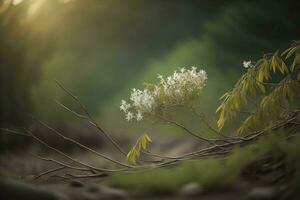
<point x="124" y="106"/>
<point x="129" y="116"/>
<point x="143" y="101"/>
<point x="247" y="64"/>
<point x="180" y="88"/>
<point x="139" y="116"/>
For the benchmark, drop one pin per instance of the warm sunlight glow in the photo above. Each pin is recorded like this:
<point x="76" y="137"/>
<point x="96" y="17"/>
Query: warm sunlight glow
<point x="65" y="1"/>
<point x="4" y="6"/>
<point x="35" y="7"/>
<point x="16" y="2"/>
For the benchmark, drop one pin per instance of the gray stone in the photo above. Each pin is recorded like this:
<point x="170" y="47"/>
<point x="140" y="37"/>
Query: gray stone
<point x="76" y="184"/>
<point x="112" y="193"/>
<point x="93" y="189"/>
<point x="191" y="189"/>
<point x="261" y="193"/>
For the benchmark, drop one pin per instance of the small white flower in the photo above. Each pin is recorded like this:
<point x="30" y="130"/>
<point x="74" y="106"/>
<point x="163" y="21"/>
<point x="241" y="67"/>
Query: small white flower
<point x="247" y="64"/>
<point x="139" y="116"/>
<point x="156" y="91"/>
<point x="129" y="116"/>
<point x="124" y="106"/>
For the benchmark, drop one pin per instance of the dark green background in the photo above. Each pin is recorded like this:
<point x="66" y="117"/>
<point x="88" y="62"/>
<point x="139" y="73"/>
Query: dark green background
<point x="100" y="49"/>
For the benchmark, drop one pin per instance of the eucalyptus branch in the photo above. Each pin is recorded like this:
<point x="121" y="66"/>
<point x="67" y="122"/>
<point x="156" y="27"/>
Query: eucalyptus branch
<point x="176" y="161"/>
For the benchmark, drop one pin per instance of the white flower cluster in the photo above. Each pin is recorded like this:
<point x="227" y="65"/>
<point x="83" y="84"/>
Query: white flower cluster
<point x="177" y="89"/>
<point x="141" y="102"/>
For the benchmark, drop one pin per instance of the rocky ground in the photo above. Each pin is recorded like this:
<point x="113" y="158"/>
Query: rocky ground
<point x="91" y="190"/>
<point x="21" y="168"/>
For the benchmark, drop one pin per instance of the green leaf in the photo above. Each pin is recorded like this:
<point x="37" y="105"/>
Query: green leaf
<point x="261" y="87"/>
<point x="296" y="62"/>
<point x="292" y="51"/>
<point x="142" y="144"/>
<point x="221" y="120"/>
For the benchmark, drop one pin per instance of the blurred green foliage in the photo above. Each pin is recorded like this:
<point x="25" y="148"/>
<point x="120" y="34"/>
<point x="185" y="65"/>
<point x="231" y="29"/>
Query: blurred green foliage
<point x="100" y="49"/>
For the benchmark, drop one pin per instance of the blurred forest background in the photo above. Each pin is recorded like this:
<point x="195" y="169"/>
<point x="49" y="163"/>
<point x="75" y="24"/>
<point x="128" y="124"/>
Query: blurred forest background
<point x="100" y="49"/>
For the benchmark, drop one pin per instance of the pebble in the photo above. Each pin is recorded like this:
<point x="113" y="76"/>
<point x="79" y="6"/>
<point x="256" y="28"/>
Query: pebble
<point x="191" y="189"/>
<point x="76" y="184"/>
<point x="261" y="193"/>
<point x="93" y="189"/>
<point x="113" y="193"/>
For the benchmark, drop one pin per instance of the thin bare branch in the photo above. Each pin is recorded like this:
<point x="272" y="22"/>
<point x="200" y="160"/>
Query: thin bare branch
<point x="213" y="150"/>
<point x="48" y="172"/>
<point x="69" y="157"/>
<point x="14" y="132"/>
<point x="159" y="156"/>
<point x="90" y="119"/>
<point x="61" y="163"/>
<point x="72" y="111"/>
<point x="82" y="145"/>
<point x="201" y="117"/>
<point x="185" y="129"/>
<point x="218" y="133"/>
<point x="78" y="176"/>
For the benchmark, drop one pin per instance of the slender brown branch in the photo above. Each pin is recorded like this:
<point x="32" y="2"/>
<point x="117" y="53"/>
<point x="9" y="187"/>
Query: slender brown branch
<point x="14" y="132"/>
<point x="69" y="157"/>
<point x="62" y="164"/>
<point x="48" y="172"/>
<point x="218" y="133"/>
<point x="81" y="145"/>
<point x="72" y="111"/>
<point x="201" y="117"/>
<point x="158" y="156"/>
<point x="78" y="176"/>
<point x="212" y="149"/>
<point x="90" y="118"/>
<point x="61" y="177"/>
<point x="185" y="129"/>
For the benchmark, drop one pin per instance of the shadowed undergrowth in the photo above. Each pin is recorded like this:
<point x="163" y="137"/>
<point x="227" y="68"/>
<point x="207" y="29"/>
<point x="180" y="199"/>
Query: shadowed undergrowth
<point x="214" y="173"/>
